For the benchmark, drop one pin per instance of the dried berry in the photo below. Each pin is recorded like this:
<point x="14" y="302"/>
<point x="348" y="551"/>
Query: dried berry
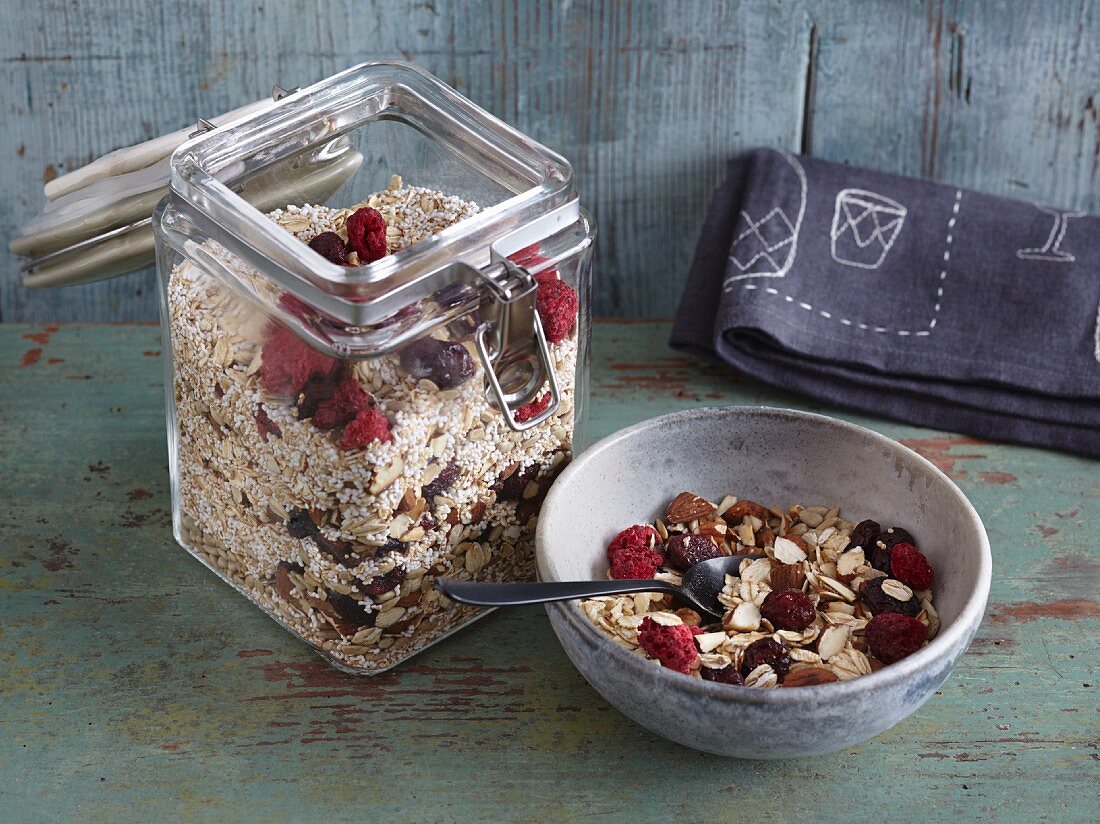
<point x="909" y="566"/>
<point x="349" y="609"/>
<point x="673" y="646"/>
<point x="331" y="247"/>
<point x="789" y="609"/>
<point x="266" y="425"/>
<point x="725" y="675"/>
<point x="892" y="637"/>
<point x="878" y="556"/>
<point x="446" y="364"/>
<point x="345" y="553"/>
<point x="533" y="409"/>
<point x="447" y="476"/>
<point x="383" y="583"/>
<point x="370" y="425"/>
<point x="288" y="363"/>
<point x="864" y="534"/>
<point x="896" y="535"/>
<point x="556" y="302"/>
<point x="511" y="488"/>
<point x="300" y="525"/>
<point x="635" y="562"/>
<point x="315" y="391"/>
<point x="872" y="594"/>
<point x="685" y="551"/>
<point x="367" y="234"/>
<point x="633" y="537"/>
<point x="766" y="651"/>
<point x="341" y="408"/>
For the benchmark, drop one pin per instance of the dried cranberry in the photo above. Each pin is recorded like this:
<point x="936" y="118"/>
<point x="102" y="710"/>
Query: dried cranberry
<point x="864" y="534"/>
<point x="789" y="609"/>
<point x="349" y="609"/>
<point x="447" y="476"/>
<point x="896" y="535"/>
<point x="314" y="392"/>
<point x="383" y="583"/>
<point x="533" y="409"/>
<point x="633" y="537"/>
<point x="909" y="566"/>
<point x="685" y="551"/>
<point x="345" y="553"/>
<point x="266" y="425"/>
<point x="512" y="487"/>
<point x="892" y="637"/>
<point x="556" y="303"/>
<point x="341" y="408"/>
<point x="300" y="525"/>
<point x="766" y="651"/>
<point x="367" y="234"/>
<point x="630" y="563"/>
<point x="878" y="556"/>
<point x="370" y="425"/>
<point x="725" y="675"/>
<point x="288" y="363"/>
<point x="673" y="646"/>
<point x="873" y="595"/>
<point x="331" y="247"/>
<point x="447" y="365"/>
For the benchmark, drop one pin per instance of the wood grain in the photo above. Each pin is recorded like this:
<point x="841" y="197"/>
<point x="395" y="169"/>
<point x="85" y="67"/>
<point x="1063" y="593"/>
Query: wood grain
<point x="648" y="99"/>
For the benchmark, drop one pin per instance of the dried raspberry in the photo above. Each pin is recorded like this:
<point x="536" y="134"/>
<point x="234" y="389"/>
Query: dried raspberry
<point x="369" y="425"/>
<point x="864" y="534"/>
<point x="367" y="234"/>
<point x="635" y="562"/>
<point x="528" y="257"/>
<point x="910" y="566"/>
<point x="633" y="537"/>
<point x="288" y="362"/>
<point x="557" y="307"/>
<point x="383" y="583"/>
<point x="533" y="409"/>
<point x="339" y="410"/>
<point x="789" y="609"/>
<point x="766" y="651"/>
<point x="266" y="425"/>
<point x="892" y="637"/>
<point x="444" y="363"/>
<point x="685" y="551"/>
<point x="331" y="247"/>
<point x="673" y="646"/>
<point x="725" y="675"/>
<point x="879" y="602"/>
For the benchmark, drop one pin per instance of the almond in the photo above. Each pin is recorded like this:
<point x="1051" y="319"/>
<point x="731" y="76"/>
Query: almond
<point x="688" y="506"/>
<point x="715" y="530"/>
<point x="809" y="677"/>
<point x="690" y="617"/>
<point x="787" y="576"/>
<point x="736" y="513"/>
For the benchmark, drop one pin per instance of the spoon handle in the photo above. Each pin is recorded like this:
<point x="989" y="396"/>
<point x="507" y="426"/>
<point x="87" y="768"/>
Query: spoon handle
<point x="505" y="595"/>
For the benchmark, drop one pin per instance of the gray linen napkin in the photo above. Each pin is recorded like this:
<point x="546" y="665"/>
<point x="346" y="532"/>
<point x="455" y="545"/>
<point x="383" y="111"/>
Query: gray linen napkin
<point x="914" y="300"/>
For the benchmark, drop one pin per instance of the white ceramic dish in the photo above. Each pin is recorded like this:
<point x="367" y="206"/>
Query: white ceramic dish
<point x="778" y="457"/>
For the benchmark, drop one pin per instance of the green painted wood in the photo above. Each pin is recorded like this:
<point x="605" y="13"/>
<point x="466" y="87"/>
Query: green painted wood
<point x="132" y="682"/>
<point x="648" y="99"/>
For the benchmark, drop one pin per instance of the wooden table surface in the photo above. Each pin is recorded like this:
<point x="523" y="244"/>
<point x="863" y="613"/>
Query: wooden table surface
<point x="134" y="684"/>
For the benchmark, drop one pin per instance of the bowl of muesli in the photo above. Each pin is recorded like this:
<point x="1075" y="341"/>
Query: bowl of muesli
<point x="868" y="576"/>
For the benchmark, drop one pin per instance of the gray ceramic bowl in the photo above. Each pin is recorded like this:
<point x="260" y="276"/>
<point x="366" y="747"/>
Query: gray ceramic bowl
<point x="777" y="457"/>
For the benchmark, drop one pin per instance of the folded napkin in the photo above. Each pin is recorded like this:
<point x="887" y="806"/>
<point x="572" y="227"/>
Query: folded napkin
<point x="905" y="298"/>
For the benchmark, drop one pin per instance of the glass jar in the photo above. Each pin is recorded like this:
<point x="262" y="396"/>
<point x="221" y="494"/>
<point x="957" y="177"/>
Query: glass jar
<point x="342" y="429"/>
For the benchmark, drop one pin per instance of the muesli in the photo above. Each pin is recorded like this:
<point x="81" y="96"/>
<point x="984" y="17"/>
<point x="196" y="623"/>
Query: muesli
<point x="333" y="493"/>
<point x="830" y="601"/>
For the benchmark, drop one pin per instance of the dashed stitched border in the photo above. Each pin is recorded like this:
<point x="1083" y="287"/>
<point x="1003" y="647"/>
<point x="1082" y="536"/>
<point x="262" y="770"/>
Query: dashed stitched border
<point x="883" y="329"/>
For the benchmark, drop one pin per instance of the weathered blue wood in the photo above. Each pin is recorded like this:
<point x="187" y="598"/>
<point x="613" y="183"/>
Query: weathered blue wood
<point x="135" y="684"/>
<point x="647" y="99"/>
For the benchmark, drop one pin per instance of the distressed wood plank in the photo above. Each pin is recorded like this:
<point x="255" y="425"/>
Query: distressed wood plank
<point x="648" y="100"/>
<point x="131" y="679"/>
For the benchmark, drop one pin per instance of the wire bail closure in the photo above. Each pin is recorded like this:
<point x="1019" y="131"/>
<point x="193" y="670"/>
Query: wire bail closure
<point x="513" y="347"/>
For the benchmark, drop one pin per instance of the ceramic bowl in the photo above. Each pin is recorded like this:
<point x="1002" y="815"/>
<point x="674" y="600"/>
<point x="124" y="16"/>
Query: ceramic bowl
<point x="777" y="457"/>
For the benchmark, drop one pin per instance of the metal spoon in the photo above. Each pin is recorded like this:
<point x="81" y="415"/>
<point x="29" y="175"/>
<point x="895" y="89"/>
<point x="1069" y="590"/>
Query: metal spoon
<point x="702" y="584"/>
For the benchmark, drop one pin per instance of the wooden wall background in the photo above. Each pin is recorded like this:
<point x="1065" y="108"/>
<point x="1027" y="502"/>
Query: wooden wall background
<point x="647" y="99"/>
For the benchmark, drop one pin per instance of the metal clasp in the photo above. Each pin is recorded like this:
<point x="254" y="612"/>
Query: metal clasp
<point x="513" y="347"/>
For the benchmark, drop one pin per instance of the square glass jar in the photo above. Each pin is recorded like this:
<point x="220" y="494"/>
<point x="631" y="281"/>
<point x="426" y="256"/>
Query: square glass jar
<point x="340" y="436"/>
